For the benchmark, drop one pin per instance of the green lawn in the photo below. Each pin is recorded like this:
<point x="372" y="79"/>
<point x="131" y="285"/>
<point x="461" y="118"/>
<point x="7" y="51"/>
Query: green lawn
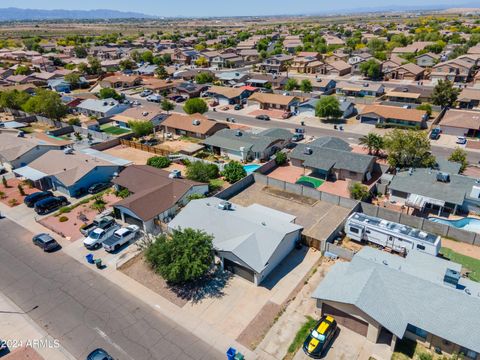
<point x="303" y="180"/>
<point x="114" y="130"/>
<point x="216" y="184"/>
<point x="472" y="264"/>
<point x="301" y="335"/>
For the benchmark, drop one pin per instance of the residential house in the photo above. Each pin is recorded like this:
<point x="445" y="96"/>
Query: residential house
<point x="427" y="60"/>
<point x="17" y="151"/>
<point x="336" y="68"/>
<point x="393" y="116"/>
<point x="331" y="158"/>
<point x="184" y="56"/>
<point x="195" y="125"/>
<point x="249" y="56"/>
<point x="385" y="296"/>
<point x="357" y="59"/>
<point x="267" y="80"/>
<point x="359" y="90"/>
<point x="71" y="174"/>
<point x="306" y="63"/>
<point x="408" y="71"/>
<point x="274" y="101"/>
<point x="324" y="86"/>
<point x="147" y="112"/>
<point x="101" y="108"/>
<point x="461" y="123"/>
<point x="454" y="70"/>
<point x="226" y="60"/>
<point x="232" y="78"/>
<point x="410" y="94"/>
<point x="146" y="70"/>
<point x="62" y="85"/>
<point x="228" y="96"/>
<point x="246" y="146"/>
<point x="346" y="107"/>
<point x="189" y="89"/>
<point x="412" y="48"/>
<point x="19" y="79"/>
<point x="249" y="241"/>
<point x="276" y="64"/>
<point x="333" y="40"/>
<point x="156" y="198"/>
<point x="120" y="81"/>
<point x="469" y="98"/>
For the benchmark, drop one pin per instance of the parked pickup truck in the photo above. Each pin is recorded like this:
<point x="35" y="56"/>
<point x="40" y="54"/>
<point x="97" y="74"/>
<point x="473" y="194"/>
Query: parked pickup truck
<point x="98" y="236"/>
<point x="104" y="222"/>
<point x="120" y="237"/>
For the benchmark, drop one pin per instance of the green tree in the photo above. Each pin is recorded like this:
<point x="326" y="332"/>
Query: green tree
<point x="234" y="172"/>
<point x="13" y="99"/>
<point x="22" y="70"/>
<point x="201" y="61"/>
<point x="291" y="84"/>
<point x="73" y="79"/>
<point x="140" y="127"/>
<point x="109" y="93"/>
<point x="359" y="191"/>
<point x="161" y="72"/>
<point x="99" y="204"/>
<point x="427" y="108"/>
<point x="204" y="78"/>
<point x="74" y="121"/>
<point x="371" y="69"/>
<point x="328" y="107"/>
<point x="185" y="256"/>
<point x="445" y="94"/>
<point x="459" y="156"/>
<point x="159" y="162"/>
<point x="408" y="148"/>
<point x="46" y="103"/>
<point x="167" y="105"/>
<point x="127" y="64"/>
<point x="202" y="172"/>
<point x="195" y="105"/>
<point x="80" y="52"/>
<point x="373" y="142"/>
<point x="280" y="158"/>
<point x="147" y="57"/>
<point x="95" y="67"/>
<point x="306" y="86"/>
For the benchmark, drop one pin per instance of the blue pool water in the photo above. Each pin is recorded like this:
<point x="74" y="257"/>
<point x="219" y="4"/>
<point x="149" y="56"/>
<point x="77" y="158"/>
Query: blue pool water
<point x="251" y="168"/>
<point x="468" y="223"/>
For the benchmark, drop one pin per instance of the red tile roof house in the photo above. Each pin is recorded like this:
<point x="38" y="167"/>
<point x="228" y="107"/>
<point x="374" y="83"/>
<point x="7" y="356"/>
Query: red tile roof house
<point x="407" y="71"/>
<point x="120" y="81"/>
<point x="155" y="198"/>
<point x="461" y="123"/>
<point x="195" y="125"/>
<point x="393" y="116"/>
<point x="274" y="101"/>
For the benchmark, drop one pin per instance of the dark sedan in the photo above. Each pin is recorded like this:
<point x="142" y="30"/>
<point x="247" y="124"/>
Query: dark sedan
<point x="99" y="354"/>
<point x="95" y="188"/>
<point x="31" y="199"/>
<point x="45" y="242"/>
<point x="262" y="117"/>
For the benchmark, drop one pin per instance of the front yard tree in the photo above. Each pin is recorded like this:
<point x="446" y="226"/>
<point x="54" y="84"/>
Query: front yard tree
<point x="202" y="172"/>
<point x="140" y="127"/>
<point x="204" y="78"/>
<point x="408" y="148"/>
<point x="159" y="162"/>
<point x="372" y="142"/>
<point x="46" y="103"/>
<point x="161" y="72"/>
<point x="371" y="69"/>
<point x="201" y="61"/>
<point x="328" y="107"/>
<point x="73" y="79"/>
<point x="306" y="86"/>
<point x="195" y="105"/>
<point x="167" y="105"/>
<point x="185" y="256"/>
<point x="109" y="93"/>
<point x="460" y="156"/>
<point x="359" y="191"/>
<point x="291" y="84"/>
<point x="445" y="94"/>
<point x="234" y="172"/>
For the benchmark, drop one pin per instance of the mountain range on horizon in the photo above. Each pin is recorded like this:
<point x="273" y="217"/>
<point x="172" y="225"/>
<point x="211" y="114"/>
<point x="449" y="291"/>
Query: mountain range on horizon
<point x="19" y="14"/>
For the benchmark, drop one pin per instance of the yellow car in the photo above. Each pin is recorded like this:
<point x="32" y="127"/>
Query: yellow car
<point x="320" y="337"/>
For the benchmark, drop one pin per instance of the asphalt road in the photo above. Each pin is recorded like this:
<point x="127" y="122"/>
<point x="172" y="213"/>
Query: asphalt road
<point x="84" y="310"/>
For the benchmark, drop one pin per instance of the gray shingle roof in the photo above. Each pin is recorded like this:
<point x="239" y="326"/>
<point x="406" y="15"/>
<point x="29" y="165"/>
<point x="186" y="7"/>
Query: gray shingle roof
<point x="399" y="291"/>
<point x="229" y="139"/>
<point x="251" y="233"/>
<point x="424" y="182"/>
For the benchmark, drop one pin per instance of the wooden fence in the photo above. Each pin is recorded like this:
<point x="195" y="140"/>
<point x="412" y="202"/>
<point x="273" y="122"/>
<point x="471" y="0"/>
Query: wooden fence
<point x="147" y="148"/>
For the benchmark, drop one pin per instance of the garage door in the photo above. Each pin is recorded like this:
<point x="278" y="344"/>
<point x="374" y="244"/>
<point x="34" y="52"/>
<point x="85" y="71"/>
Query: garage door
<point x="133" y="221"/>
<point x="368" y="120"/>
<point x="350" y="322"/>
<point x="239" y="270"/>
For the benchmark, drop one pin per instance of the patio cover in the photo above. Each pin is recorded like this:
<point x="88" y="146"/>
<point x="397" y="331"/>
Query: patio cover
<point x="30" y="173"/>
<point x="419" y="201"/>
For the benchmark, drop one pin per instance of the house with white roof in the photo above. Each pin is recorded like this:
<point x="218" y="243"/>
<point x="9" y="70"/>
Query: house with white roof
<point x="101" y="108"/>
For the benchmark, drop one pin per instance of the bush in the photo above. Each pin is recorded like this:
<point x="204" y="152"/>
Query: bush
<point x="63" y="219"/>
<point x="280" y="158"/>
<point x="65" y="210"/>
<point x="195" y="105"/>
<point x="124" y="193"/>
<point x="426" y="107"/>
<point x="195" y="197"/>
<point x="141" y="127"/>
<point x="20" y="190"/>
<point x="2" y="195"/>
<point x="159" y="162"/>
<point x="202" y="172"/>
<point x="234" y="172"/>
<point x="359" y="191"/>
<point x="74" y="121"/>
<point x="425" y="356"/>
<point x="13" y="202"/>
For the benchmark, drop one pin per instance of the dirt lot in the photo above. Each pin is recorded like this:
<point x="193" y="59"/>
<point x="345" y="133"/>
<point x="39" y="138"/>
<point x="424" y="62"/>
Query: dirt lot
<point x="26" y="353"/>
<point x="178" y="145"/>
<point x="11" y="195"/>
<point x="138" y="157"/>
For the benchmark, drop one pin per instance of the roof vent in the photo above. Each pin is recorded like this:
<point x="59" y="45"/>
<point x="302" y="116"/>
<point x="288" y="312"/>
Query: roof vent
<point x="238" y="133"/>
<point x="308" y="151"/>
<point x="405" y="90"/>
<point x="145" y="113"/>
<point x="105" y="103"/>
<point x="467" y="291"/>
<point x="225" y="205"/>
<point x="385" y="262"/>
<point x="443" y="177"/>
<point x="112" y="103"/>
<point x="410" y="171"/>
<point x="196" y="122"/>
<point x="264" y="223"/>
<point x="366" y="85"/>
<point x="451" y="278"/>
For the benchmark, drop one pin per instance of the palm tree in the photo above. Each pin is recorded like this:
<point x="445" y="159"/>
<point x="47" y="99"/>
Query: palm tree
<point x="373" y="142"/>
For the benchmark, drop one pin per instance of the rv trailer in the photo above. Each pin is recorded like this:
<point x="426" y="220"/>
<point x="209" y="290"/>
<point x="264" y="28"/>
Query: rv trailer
<point x="400" y="238"/>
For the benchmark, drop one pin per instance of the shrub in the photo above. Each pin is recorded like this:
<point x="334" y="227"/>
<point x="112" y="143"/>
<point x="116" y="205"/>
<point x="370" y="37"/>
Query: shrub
<point x="2" y="195"/>
<point x="13" y="202"/>
<point x="159" y="162"/>
<point x="20" y="190"/>
<point x="359" y="191"/>
<point x="195" y="197"/>
<point x="425" y="356"/>
<point x="427" y="108"/>
<point x="124" y="193"/>
<point x="202" y="172"/>
<point x="195" y="105"/>
<point x="280" y="158"/>
<point x="65" y="209"/>
<point x="63" y="219"/>
<point x="234" y="172"/>
<point x="4" y="182"/>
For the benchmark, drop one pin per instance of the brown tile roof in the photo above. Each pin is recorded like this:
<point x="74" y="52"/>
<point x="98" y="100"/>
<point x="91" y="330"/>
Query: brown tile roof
<point x="469" y="94"/>
<point x="340" y="65"/>
<point x="121" y="78"/>
<point x="228" y="92"/>
<point x="144" y="112"/>
<point x="461" y="119"/>
<point x="265" y="98"/>
<point x="186" y="123"/>
<point x="394" y="112"/>
<point x="153" y="191"/>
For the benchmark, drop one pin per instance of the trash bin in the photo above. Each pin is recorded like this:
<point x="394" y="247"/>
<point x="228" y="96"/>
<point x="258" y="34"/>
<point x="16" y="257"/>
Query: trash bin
<point x="239" y="356"/>
<point x="98" y="262"/>
<point x="89" y="258"/>
<point x="231" y="353"/>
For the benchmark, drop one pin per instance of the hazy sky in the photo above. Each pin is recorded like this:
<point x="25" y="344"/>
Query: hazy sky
<point x="220" y="7"/>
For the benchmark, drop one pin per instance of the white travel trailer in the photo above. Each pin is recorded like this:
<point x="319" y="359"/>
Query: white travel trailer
<point x="400" y="238"/>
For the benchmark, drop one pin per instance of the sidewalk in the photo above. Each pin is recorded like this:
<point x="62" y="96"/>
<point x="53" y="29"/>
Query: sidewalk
<point x="19" y="331"/>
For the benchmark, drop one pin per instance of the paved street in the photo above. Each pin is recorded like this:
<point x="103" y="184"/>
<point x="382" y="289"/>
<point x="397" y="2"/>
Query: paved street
<point x="85" y="311"/>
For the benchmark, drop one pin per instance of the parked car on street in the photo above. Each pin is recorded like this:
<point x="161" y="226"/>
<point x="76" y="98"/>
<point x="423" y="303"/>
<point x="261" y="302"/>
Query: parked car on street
<point x="145" y="93"/>
<point x="262" y="117"/>
<point x="287" y="115"/>
<point x="96" y="237"/>
<point x="45" y="242"/>
<point x="238" y="107"/>
<point x="320" y="337"/>
<point x="31" y="199"/>
<point x="99" y="354"/>
<point x="154" y="98"/>
<point x="435" y="134"/>
<point x="96" y="188"/>
<point x="50" y="204"/>
<point x="298" y="137"/>
<point x="104" y="222"/>
<point x="461" y="140"/>
<point x="120" y="238"/>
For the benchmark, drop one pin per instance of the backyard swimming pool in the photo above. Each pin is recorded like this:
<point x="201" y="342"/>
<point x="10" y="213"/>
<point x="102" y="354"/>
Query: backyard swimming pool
<point x="468" y="223"/>
<point x="251" y="168"/>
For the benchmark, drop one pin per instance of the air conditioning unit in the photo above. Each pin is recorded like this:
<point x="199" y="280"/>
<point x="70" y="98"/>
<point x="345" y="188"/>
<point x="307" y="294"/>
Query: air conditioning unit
<point x="196" y="122"/>
<point x="443" y="177"/>
<point x="238" y="133"/>
<point x="145" y="113"/>
<point x="308" y="151"/>
<point x="225" y="205"/>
